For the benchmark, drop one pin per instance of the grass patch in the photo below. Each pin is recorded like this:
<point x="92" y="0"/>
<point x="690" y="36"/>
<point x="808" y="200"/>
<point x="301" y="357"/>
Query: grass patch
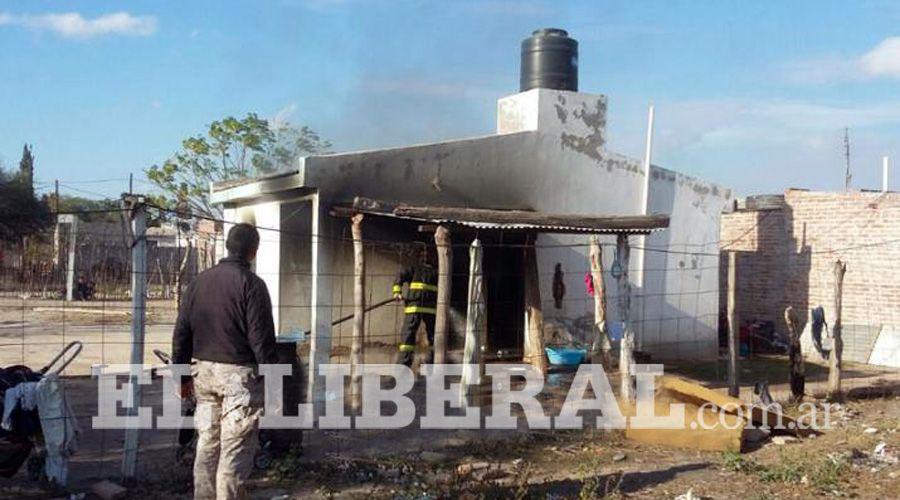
<point x="594" y="484"/>
<point x="829" y="473"/>
<point x="735" y="462"/>
<point x="788" y="469"/>
<point x="826" y="474"/>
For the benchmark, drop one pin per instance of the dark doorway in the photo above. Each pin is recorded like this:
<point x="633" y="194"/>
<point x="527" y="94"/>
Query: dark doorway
<point x="504" y="287"/>
<point x="504" y="290"/>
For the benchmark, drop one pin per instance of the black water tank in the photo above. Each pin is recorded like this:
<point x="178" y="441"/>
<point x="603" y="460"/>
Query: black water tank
<point x="549" y="61"/>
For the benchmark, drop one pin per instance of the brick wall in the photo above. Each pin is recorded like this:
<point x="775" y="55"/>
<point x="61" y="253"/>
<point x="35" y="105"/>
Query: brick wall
<point x="786" y="256"/>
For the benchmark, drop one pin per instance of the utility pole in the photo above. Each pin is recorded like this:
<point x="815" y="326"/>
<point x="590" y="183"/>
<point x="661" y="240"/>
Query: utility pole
<point x="72" y="241"/>
<point x="641" y="254"/>
<point x="56" y="195"/>
<point x="130" y="183"/>
<point x="138" y="309"/>
<point x="847" y="175"/>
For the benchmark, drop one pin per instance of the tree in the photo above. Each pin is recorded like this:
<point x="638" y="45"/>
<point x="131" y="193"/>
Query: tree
<point x="26" y="167"/>
<point x="106" y="209"/>
<point x="21" y="213"/>
<point x="231" y="149"/>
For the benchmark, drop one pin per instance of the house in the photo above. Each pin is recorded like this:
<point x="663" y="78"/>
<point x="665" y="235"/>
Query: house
<point x="548" y="156"/>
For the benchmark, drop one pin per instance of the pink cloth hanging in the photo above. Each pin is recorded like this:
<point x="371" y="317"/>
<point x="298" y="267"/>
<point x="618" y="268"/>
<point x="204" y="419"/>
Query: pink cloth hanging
<point x="589" y="283"/>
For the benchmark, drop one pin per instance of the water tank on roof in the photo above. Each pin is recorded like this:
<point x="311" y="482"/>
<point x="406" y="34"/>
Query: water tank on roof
<point x="549" y="61"/>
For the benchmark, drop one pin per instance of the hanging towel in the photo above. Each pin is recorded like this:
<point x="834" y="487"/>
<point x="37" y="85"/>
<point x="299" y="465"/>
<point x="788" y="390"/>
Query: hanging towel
<point x="60" y="428"/>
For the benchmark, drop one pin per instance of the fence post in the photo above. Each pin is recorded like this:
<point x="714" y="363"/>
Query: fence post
<point x="70" y="261"/>
<point x="359" y="311"/>
<point x="534" y="314"/>
<point x="138" y="308"/>
<point x="733" y="326"/>
<point x="445" y="274"/>
<point x="601" y="345"/>
<point x="837" y="347"/>
<point x="626" y="345"/>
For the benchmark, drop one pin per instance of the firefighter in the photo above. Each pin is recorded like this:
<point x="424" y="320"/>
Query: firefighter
<point x="420" y="302"/>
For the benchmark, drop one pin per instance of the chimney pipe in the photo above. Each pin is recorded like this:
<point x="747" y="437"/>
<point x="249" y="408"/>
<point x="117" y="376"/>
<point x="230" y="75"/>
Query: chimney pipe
<point x="549" y="61"/>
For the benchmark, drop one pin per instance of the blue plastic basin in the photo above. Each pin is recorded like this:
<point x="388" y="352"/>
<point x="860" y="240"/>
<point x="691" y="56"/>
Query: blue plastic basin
<point x="565" y="356"/>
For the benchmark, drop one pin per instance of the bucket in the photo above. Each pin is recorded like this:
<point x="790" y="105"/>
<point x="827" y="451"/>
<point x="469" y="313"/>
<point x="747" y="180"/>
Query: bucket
<point x="565" y="356"/>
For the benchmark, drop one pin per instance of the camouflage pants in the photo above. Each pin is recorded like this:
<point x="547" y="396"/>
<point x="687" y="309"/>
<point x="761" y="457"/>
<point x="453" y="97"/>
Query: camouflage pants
<point x="229" y="403"/>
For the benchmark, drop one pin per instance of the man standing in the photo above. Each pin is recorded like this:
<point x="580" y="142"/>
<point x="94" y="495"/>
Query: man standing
<point x="420" y="305"/>
<point x="225" y="325"/>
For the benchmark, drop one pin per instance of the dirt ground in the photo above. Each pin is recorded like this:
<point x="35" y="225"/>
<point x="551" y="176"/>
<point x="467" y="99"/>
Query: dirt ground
<point x="603" y="464"/>
<point x="33" y="331"/>
<point x="416" y="463"/>
<point x="585" y="464"/>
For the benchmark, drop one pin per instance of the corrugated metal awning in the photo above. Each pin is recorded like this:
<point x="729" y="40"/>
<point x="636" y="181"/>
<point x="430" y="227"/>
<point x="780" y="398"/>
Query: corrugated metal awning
<point x="508" y="220"/>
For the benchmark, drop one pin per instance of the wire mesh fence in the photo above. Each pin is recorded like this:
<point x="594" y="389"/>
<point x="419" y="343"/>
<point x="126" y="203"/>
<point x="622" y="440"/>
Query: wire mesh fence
<point x="75" y="282"/>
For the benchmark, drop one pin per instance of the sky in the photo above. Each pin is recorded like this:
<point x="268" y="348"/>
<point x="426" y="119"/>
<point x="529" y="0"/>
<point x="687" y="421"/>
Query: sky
<point x="750" y="95"/>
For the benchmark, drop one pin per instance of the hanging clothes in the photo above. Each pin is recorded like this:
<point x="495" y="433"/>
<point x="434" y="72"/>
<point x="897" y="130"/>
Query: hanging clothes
<point x="23" y="396"/>
<point x="589" y="284"/>
<point x="559" y="286"/>
<point x="60" y="428"/>
<point x="818" y="324"/>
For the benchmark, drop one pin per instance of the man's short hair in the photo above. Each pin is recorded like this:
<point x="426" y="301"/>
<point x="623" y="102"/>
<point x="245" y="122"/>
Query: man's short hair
<point x="243" y="240"/>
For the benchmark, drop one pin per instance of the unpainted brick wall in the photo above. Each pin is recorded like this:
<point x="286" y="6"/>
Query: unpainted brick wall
<point x="786" y="256"/>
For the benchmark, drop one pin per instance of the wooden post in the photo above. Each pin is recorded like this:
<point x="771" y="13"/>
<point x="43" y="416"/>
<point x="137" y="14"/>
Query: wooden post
<point x="733" y="326"/>
<point x="798" y="377"/>
<point x="533" y="349"/>
<point x="359" y="311"/>
<point x="837" y="349"/>
<point x="601" y="345"/>
<point x="445" y="275"/>
<point x="476" y="322"/>
<point x="138" y="309"/>
<point x="626" y="346"/>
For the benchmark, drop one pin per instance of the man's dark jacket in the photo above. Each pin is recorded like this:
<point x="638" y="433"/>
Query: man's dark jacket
<point x="225" y="316"/>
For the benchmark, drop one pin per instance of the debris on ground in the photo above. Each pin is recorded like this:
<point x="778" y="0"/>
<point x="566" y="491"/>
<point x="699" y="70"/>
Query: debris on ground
<point x="466" y="469"/>
<point x="755" y="435"/>
<point x="843" y="412"/>
<point x="108" y="490"/>
<point x="870" y="430"/>
<point x="884" y="454"/>
<point x="688" y="496"/>
<point x="618" y="457"/>
<point x="781" y="440"/>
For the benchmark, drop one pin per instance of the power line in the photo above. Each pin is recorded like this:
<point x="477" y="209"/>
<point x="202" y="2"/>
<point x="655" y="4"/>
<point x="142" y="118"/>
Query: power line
<point x="87" y="191"/>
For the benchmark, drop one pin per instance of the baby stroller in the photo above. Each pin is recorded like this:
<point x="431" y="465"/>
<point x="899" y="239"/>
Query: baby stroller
<point x="24" y="431"/>
<point x="272" y="444"/>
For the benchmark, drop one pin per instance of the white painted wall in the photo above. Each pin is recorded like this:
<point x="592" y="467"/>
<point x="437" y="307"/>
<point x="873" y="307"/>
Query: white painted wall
<point x="268" y="258"/>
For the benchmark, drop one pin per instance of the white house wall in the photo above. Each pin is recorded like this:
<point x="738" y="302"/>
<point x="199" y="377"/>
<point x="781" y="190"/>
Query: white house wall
<point x="267" y="217"/>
